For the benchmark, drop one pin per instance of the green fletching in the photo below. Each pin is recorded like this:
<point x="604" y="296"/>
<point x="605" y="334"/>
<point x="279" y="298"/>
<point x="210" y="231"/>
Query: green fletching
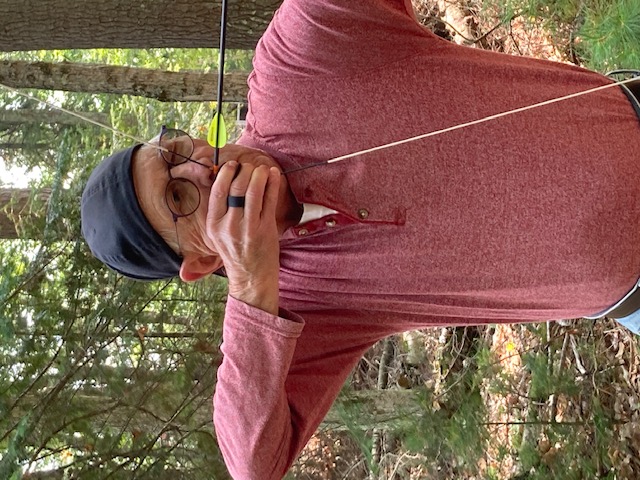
<point x="213" y="138"/>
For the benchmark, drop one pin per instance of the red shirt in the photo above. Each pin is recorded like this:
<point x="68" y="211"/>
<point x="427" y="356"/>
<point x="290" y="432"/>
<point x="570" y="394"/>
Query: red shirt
<point x="530" y="217"/>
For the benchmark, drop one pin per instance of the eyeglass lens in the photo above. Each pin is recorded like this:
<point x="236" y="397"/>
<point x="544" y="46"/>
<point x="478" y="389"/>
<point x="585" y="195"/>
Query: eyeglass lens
<point x="181" y="195"/>
<point x="178" y="145"/>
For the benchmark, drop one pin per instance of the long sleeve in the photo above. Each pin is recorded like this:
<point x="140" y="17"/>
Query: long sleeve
<point x="338" y="37"/>
<point x="278" y="378"/>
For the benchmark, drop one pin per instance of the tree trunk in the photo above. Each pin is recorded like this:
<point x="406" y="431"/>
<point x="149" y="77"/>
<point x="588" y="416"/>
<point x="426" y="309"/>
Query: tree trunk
<point x="23" y="146"/>
<point x="61" y="473"/>
<point x="162" y="85"/>
<point x="48" y="117"/>
<point x="73" y="24"/>
<point x="19" y="208"/>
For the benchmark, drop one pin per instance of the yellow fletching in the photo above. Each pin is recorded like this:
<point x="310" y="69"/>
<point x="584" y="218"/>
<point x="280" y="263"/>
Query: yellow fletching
<point x="212" y="137"/>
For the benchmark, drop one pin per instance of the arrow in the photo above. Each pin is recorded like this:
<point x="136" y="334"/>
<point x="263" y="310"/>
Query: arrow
<point x="464" y="125"/>
<point x="217" y="136"/>
<point x="354" y="154"/>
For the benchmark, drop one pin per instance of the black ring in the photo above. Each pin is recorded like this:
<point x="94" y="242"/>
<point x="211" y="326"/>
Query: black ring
<point x="233" y="201"/>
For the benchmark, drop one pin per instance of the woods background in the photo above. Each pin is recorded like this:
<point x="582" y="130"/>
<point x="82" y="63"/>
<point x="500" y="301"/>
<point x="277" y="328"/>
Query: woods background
<point x="105" y="378"/>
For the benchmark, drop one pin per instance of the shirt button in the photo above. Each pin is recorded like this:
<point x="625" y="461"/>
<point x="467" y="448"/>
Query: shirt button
<point x="302" y="232"/>
<point x="363" y="213"/>
<point x="330" y="223"/>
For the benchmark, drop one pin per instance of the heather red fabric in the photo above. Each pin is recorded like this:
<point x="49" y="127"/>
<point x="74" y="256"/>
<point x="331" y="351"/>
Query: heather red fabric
<point x="532" y="217"/>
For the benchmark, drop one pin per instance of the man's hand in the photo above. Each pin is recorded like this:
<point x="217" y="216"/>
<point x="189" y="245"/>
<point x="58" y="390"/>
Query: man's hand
<point x="247" y="238"/>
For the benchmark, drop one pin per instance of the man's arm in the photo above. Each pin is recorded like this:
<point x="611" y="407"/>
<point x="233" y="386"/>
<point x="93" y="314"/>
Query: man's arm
<point x="278" y="379"/>
<point x="338" y="37"/>
<point x="279" y="376"/>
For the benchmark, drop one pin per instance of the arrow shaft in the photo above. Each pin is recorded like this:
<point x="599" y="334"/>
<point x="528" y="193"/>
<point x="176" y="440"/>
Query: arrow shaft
<point x="223" y="36"/>
<point x="461" y="125"/>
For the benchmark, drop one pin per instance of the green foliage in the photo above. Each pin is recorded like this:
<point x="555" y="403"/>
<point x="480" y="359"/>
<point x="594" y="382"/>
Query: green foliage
<point x="352" y="413"/>
<point x="603" y="35"/>
<point x="117" y="375"/>
<point x="452" y="434"/>
<point x="576" y="449"/>
<point x="543" y="383"/>
<point x="15" y="451"/>
<point x="552" y="13"/>
<point x="611" y="34"/>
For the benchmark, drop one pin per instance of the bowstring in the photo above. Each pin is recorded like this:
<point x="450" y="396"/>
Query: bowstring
<point x="82" y="117"/>
<point x="463" y="125"/>
<point x="360" y="152"/>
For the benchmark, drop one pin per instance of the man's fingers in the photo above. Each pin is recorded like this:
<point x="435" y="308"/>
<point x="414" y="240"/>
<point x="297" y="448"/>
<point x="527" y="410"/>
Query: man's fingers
<point x="271" y="194"/>
<point x="241" y="180"/>
<point x="255" y="193"/>
<point x="263" y="190"/>
<point x="220" y="192"/>
<point x="259" y="185"/>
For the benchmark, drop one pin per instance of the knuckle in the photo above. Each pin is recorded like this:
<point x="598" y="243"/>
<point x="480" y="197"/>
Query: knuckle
<point x="237" y="191"/>
<point x="241" y="183"/>
<point x="218" y="193"/>
<point x="261" y="170"/>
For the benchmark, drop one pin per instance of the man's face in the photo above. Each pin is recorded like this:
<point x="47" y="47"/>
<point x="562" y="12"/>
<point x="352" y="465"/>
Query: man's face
<point x="151" y="175"/>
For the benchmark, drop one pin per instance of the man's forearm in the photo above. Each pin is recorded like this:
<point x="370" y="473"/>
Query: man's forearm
<point x="254" y="426"/>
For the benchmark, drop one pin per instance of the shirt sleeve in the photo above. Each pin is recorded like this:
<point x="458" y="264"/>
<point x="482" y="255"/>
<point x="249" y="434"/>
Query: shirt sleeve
<point x="278" y="378"/>
<point x="338" y="37"/>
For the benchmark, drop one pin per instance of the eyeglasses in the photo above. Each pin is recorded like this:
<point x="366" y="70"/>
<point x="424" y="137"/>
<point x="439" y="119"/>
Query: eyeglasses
<point x="181" y="195"/>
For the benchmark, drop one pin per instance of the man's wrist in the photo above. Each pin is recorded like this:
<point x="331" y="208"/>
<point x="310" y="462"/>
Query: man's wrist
<point x="262" y="296"/>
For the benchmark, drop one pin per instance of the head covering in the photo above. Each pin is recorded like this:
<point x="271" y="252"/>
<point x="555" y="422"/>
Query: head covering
<point x="115" y="228"/>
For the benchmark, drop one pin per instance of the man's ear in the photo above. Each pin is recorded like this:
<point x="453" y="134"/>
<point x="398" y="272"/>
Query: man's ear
<point x="195" y="267"/>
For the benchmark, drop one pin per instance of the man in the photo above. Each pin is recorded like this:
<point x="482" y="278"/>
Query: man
<point x="530" y="217"/>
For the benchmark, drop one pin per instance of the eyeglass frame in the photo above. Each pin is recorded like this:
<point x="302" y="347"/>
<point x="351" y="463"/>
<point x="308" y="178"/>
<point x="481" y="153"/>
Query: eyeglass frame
<point x="175" y="216"/>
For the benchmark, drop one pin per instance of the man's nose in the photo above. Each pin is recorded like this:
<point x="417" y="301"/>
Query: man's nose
<point x="202" y="152"/>
<point x="199" y="173"/>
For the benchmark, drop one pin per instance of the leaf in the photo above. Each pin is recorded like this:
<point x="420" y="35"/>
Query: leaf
<point x="215" y="138"/>
<point x="142" y="331"/>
